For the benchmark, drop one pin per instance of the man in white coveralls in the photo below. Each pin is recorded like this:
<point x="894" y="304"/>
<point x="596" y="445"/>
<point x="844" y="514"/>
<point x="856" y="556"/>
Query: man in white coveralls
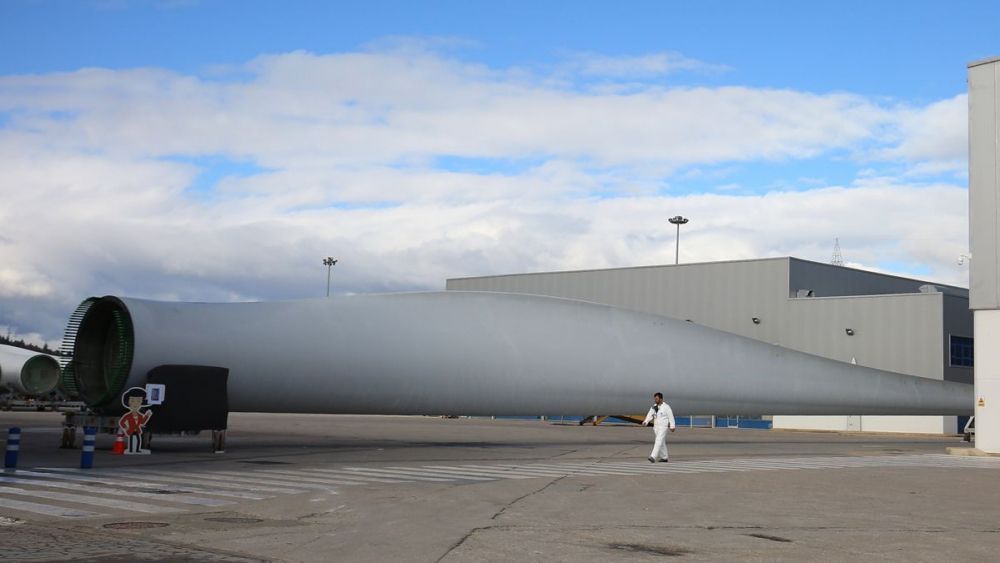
<point x="663" y="419"/>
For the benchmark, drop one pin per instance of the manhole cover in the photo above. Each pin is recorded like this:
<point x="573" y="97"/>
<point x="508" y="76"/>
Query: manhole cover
<point x="235" y="520"/>
<point x="135" y="525"/>
<point x="266" y="462"/>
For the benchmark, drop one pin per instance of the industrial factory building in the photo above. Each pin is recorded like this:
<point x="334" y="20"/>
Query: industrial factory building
<point x="876" y="320"/>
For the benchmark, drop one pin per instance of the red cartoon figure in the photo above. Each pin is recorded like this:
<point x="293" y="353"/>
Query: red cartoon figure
<point x="134" y="420"/>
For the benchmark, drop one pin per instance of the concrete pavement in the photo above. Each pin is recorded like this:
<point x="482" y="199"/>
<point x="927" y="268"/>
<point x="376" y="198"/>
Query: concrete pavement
<point x="351" y="488"/>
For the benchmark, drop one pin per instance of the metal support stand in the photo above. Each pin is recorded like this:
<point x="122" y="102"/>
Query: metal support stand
<point x="68" y="436"/>
<point x="219" y="441"/>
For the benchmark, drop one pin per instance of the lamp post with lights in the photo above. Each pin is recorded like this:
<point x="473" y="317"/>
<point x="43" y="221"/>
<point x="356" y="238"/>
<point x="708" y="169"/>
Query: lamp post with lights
<point x="329" y="263"/>
<point x="678" y="220"/>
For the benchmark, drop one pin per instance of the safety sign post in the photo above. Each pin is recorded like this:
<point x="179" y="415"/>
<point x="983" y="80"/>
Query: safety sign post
<point x="13" y="447"/>
<point x="87" y="457"/>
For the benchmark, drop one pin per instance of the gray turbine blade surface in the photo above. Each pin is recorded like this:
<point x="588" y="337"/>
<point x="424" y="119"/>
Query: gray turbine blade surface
<point x="481" y="353"/>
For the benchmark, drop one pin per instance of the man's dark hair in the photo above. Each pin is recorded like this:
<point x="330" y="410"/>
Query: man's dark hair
<point x="136" y="392"/>
<point x="660" y="395"/>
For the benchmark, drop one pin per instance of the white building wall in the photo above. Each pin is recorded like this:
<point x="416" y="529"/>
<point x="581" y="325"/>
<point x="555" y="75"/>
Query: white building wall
<point x="899" y="424"/>
<point x="984" y="234"/>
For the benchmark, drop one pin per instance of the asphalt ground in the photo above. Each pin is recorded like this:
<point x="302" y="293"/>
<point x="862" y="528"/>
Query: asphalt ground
<point x="370" y="488"/>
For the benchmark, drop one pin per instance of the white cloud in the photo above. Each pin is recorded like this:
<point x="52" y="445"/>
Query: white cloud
<point x="935" y="138"/>
<point x="382" y="108"/>
<point x="638" y="66"/>
<point x="97" y="194"/>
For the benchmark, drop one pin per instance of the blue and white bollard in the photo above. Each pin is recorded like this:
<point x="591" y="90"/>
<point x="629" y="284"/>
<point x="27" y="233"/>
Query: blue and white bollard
<point x="13" y="446"/>
<point x="87" y="456"/>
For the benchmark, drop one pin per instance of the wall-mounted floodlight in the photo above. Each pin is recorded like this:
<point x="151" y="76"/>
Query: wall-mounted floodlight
<point x="849" y="331"/>
<point x="756" y="320"/>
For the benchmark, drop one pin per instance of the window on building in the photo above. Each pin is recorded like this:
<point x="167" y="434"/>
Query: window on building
<point x="961" y="351"/>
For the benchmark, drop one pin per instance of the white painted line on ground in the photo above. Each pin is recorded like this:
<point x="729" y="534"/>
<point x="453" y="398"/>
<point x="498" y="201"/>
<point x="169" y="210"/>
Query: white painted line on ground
<point x="46" y="509"/>
<point x="462" y="474"/>
<point x="588" y="468"/>
<point x="348" y="475"/>
<point x="304" y="476"/>
<point x="552" y="471"/>
<point x="123" y="480"/>
<point x="242" y="477"/>
<point x="90" y="476"/>
<point x="96" y="501"/>
<point x="180" y="498"/>
<point x="390" y="473"/>
<point x="525" y="473"/>
<point x="534" y="471"/>
<point x="601" y="469"/>
<point x="673" y="467"/>
<point x="633" y="467"/>
<point x="426" y="470"/>
<point x="485" y="472"/>
<point x="205" y="480"/>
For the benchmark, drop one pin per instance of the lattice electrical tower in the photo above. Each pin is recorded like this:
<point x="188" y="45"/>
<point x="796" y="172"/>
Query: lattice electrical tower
<point x="837" y="259"/>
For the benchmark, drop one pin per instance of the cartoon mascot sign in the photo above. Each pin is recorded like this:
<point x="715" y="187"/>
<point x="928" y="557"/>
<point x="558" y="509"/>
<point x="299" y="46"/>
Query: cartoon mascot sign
<point x="133" y="422"/>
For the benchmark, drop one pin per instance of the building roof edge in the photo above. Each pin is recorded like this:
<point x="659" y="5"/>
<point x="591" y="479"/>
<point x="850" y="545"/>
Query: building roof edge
<point x="985" y="61"/>
<point x="647" y="267"/>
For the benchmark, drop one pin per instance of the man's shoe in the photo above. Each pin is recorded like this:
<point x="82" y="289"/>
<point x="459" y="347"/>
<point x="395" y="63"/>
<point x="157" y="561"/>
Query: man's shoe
<point x="665" y="460"/>
<point x="651" y="460"/>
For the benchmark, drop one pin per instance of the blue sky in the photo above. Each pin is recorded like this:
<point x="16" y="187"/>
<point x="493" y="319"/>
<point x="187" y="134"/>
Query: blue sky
<point x="912" y="49"/>
<point x="216" y="150"/>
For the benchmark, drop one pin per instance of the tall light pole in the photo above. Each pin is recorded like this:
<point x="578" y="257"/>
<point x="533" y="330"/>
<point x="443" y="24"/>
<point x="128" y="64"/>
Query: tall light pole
<point x="678" y="220"/>
<point x="328" y="262"/>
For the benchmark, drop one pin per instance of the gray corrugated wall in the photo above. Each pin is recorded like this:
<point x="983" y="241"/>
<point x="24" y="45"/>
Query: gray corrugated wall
<point x="901" y="333"/>
<point x="828" y="281"/>
<point x="892" y="332"/>
<point x="715" y="294"/>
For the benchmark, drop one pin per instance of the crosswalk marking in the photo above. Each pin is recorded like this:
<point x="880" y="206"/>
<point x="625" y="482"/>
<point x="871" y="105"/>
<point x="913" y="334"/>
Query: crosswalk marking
<point x="310" y="477"/>
<point x="161" y="490"/>
<point x="247" y="477"/>
<point x="179" y="498"/>
<point x="412" y="475"/>
<point x="647" y="468"/>
<point x="543" y="470"/>
<point x="117" y="479"/>
<point x="506" y="471"/>
<point x="589" y="468"/>
<point x="497" y="473"/>
<point x="413" y="472"/>
<point x="359" y="477"/>
<point x="96" y="501"/>
<point x="439" y="473"/>
<point x="553" y="470"/>
<point x="46" y="509"/>
<point x="162" y="482"/>
<point x="607" y="470"/>
<point x="248" y="484"/>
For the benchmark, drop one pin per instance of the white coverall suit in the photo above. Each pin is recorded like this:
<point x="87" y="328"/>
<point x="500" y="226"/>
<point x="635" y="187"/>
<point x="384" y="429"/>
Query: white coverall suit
<point x="663" y="420"/>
